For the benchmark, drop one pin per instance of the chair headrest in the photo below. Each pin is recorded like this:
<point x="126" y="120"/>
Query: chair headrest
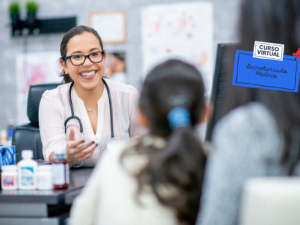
<point x="34" y="97"/>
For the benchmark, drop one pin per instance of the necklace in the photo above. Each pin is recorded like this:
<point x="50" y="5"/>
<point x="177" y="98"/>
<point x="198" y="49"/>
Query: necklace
<point x="90" y="109"/>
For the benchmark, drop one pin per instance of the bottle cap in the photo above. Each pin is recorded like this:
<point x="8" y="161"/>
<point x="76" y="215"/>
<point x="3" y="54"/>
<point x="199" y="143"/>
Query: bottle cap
<point x="45" y="168"/>
<point x="60" y="150"/>
<point x="27" y="154"/>
<point x="9" y="168"/>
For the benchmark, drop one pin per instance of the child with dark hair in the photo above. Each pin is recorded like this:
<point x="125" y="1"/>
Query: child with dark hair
<point x="156" y="179"/>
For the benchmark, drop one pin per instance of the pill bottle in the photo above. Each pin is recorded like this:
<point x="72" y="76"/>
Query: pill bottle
<point x="27" y="171"/>
<point x="60" y="169"/>
<point x="9" y="177"/>
<point x="44" y="177"/>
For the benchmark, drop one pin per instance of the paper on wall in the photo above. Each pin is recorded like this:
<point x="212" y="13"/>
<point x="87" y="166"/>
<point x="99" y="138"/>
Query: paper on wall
<point x="34" y="68"/>
<point x="181" y="30"/>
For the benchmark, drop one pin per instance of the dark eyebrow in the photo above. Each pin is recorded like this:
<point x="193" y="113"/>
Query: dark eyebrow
<point x="75" y="52"/>
<point x="92" y="49"/>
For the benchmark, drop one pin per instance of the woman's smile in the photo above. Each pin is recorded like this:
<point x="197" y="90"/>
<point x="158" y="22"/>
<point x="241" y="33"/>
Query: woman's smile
<point x="88" y="74"/>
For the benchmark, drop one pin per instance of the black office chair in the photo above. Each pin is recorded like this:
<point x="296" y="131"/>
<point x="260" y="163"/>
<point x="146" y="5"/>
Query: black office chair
<point x="223" y="72"/>
<point x="28" y="136"/>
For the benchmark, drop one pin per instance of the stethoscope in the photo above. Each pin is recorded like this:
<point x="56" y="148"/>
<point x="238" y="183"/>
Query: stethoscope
<point x="112" y="141"/>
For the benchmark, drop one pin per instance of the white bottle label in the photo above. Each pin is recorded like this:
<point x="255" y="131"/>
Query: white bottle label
<point x="58" y="174"/>
<point x="44" y="183"/>
<point x="27" y="176"/>
<point x="67" y="174"/>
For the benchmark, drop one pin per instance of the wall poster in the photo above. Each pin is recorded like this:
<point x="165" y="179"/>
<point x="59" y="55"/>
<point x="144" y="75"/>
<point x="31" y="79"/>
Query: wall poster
<point x="34" y="68"/>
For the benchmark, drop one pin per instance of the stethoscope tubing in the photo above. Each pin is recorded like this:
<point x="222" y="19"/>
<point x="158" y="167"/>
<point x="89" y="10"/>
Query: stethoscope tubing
<point x="111" y="110"/>
<point x="78" y="119"/>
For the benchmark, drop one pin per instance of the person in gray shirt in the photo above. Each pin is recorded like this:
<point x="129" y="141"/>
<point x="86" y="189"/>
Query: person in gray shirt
<point x="259" y="133"/>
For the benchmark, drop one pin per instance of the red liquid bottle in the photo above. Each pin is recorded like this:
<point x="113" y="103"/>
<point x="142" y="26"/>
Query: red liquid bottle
<point x="60" y="169"/>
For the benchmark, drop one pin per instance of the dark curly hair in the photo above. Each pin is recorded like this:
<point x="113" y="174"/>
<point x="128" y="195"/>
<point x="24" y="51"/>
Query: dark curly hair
<point x="175" y="161"/>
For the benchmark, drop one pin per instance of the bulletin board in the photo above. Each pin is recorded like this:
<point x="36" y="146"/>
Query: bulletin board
<point x="179" y="30"/>
<point x="110" y="25"/>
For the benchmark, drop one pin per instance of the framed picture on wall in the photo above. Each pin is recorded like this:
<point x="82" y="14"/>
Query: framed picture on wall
<point x="110" y="25"/>
<point x="116" y="67"/>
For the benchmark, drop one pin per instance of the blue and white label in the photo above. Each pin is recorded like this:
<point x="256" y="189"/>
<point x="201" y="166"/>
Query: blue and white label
<point x="265" y="73"/>
<point x="27" y="176"/>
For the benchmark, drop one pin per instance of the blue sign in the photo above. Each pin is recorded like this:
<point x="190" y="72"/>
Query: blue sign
<point x="266" y="73"/>
<point x="7" y="155"/>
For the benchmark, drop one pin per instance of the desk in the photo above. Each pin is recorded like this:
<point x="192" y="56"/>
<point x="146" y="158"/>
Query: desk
<point x="35" y="207"/>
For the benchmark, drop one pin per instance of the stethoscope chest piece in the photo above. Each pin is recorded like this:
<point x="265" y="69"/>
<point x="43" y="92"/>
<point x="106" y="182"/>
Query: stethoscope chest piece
<point x="111" y="143"/>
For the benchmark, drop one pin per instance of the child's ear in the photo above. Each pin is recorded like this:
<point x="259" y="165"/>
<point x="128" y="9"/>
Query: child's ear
<point x="142" y="119"/>
<point x="206" y="114"/>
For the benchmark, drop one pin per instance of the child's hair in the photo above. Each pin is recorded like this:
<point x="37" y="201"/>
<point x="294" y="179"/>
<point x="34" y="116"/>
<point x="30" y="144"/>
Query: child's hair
<point x="175" y="159"/>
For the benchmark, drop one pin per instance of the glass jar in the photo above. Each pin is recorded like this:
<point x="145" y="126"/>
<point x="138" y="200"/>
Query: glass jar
<point x="60" y="168"/>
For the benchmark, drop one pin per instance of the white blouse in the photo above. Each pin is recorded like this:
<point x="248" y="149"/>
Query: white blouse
<point x="110" y="198"/>
<point x="55" y="109"/>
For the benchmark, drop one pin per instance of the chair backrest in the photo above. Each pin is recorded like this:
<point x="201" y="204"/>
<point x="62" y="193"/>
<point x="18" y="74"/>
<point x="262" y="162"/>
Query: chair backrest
<point x="28" y="136"/>
<point x="34" y="97"/>
<point x="271" y="201"/>
<point x="223" y="67"/>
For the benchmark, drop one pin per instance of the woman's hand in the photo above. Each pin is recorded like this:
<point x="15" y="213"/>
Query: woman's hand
<point x="78" y="150"/>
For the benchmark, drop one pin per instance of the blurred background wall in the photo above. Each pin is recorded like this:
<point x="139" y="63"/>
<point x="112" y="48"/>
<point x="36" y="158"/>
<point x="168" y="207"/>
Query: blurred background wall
<point x="225" y="16"/>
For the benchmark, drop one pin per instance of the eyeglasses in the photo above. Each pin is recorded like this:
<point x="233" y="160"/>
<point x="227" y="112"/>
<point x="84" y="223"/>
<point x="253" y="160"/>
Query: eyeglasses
<point x="78" y="60"/>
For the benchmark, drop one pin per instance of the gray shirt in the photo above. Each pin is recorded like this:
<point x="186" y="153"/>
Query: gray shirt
<point x="246" y="143"/>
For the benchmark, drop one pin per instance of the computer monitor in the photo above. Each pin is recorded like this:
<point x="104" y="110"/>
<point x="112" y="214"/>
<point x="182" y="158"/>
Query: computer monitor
<point x="223" y="72"/>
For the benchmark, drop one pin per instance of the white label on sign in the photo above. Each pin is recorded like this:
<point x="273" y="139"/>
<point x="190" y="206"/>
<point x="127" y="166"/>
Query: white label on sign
<point x="266" y="50"/>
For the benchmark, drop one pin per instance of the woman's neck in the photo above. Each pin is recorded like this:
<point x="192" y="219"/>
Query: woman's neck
<point x="89" y="96"/>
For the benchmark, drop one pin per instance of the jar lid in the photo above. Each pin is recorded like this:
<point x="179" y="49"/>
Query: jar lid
<point x="9" y="168"/>
<point x="60" y="150"/>
<point x="27" y="154"/>
<point x="44" y="168"/>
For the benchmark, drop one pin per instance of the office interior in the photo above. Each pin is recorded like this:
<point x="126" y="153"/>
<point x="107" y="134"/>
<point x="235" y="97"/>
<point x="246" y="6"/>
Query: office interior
<point x="30" y="54"/>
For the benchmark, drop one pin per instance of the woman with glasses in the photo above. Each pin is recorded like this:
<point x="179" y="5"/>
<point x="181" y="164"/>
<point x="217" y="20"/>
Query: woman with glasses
<point x="88" y="112"/>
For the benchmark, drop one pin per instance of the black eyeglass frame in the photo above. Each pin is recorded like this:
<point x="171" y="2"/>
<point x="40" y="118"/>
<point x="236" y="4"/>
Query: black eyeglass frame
<point x="85" y="56"/>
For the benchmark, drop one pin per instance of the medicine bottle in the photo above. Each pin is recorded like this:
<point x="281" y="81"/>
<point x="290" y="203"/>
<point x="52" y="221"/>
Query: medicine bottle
<point x="44" y="177"/>
<point x="9" y="177"/>
<point x="60" y="169"/>
<point x="27" y="171"/>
